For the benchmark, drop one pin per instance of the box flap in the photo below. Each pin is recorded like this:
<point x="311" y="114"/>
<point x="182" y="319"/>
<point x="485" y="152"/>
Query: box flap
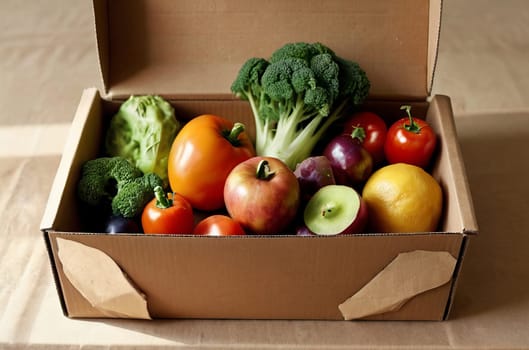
<point x="76" y="151"/>
<point x="194" y="48"/>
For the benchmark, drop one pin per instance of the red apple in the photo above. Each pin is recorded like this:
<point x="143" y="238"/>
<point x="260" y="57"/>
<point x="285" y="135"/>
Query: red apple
<point x="262" y="194"/>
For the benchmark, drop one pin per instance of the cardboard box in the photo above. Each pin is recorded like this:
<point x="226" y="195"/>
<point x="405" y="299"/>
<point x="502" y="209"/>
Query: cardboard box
<point x="189" y="52"/>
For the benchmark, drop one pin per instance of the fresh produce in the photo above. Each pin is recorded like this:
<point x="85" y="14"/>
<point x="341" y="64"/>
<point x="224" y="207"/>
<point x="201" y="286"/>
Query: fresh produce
<point x="218" y="225"/>
<point x="203" y="153"/>
<point x="142" y="131"/>
<point x="410" y="140"/>
<point x="167" y="214"/>
<point x="116" y="185"/>
<point x="370" y="130"/>
<point x="334" y="210"/>
<point x="262" y="194"/>
<point x="296" y="96"/>
<point x="403" y="198"/>
<point x="313" y="173"/>
<point x="119" y="224"/>
<point x="350" y="162"/>
<point x="303" y="230"/>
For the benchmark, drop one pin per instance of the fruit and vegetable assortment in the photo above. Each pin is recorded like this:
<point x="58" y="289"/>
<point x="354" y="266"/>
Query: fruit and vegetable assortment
<point x="314" y="168"/>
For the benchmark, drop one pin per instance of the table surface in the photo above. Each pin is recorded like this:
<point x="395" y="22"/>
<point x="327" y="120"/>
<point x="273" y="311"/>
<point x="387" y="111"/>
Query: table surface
<point x="47" y="56"/>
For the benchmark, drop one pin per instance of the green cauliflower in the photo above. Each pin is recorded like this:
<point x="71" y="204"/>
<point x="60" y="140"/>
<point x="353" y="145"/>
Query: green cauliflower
<point x="143" y="131"/>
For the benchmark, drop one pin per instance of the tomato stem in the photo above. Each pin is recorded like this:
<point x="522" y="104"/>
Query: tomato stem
<point x="162" y="201"/>
<point x="263" y="170"/>
<point x="412" y="126"/>
<point x="358" y="133"/>
<point x="233" y="135"/>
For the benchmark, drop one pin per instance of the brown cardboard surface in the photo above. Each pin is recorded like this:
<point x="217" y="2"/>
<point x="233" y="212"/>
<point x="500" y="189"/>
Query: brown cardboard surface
<point x="257" y="278"/>
<point x="408" y="275"/>
<point x="101" y="281"/>
<point x="278" y="281"/>
<point x="195" y="48"/>
<point x="482" y="48"/>
<point x="165" y="48"/>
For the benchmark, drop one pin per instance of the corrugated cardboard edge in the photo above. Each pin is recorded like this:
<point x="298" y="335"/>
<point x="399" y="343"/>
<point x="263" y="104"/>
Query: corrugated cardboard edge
<point x="434" y="33"/>
<point x="442" y="106"/>
<point x="88" y="98"/>
<point x="455" y="277"/>
<point x="102" y="44"/>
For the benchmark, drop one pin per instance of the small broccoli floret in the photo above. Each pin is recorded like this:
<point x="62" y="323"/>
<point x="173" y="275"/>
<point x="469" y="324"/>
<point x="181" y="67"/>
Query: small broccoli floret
<point x="107" y="178"/>
<point x="100" y="179"/>
<point x="134" y="195"/>
<point x="143" y="131"/>
<point x="296" y="96"/>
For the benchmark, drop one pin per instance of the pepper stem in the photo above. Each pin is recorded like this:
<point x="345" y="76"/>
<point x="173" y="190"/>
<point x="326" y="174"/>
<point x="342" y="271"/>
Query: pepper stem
<point x="412" y="126"/>
<point x="233" y="135"/>
<point x="162" y="201"/>
<point x="263" y="170"/>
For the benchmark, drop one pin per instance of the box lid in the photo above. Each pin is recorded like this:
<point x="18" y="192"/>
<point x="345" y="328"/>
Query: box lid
<point x="194" y="48"/>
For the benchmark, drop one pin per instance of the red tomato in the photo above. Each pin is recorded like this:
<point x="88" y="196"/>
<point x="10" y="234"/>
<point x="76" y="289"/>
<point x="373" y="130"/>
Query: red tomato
<point x="410" y="140"/>
<point x="202" y="155"/>
<point x="218" y="225"/>
<point x="371" y="130"/>
<point x="167" y="215"/>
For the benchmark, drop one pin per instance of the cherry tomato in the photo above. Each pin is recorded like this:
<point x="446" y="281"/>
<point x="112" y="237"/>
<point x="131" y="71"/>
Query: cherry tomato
<point x="218" y="225"/>
<point x="371" y="130"/>
<point x="202" y="155"/>
<point x="167" y="214"/>
<point x="410" y="140"/>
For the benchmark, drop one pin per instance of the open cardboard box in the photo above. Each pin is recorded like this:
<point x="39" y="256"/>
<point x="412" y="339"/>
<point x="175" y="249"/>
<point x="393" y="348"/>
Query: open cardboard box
<point x="189" y="52"/>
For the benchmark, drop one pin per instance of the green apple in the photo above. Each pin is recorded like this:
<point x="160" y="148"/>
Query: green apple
<point x="334" y="210"/>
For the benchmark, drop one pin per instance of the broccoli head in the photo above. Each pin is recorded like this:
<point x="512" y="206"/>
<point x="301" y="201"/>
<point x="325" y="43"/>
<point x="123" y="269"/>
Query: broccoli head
<point x="143" y="131"/>
<point x="133" y="195"/>
<point x="296" y="95"/>
<point x="114" y="184"/>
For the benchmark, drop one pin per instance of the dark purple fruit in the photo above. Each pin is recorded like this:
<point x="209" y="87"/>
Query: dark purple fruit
<point x="350" y="162"/>
<point x="119" y="224"/>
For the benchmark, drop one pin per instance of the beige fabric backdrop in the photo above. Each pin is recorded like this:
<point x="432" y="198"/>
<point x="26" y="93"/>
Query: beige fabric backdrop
<point x="47" y="56"/>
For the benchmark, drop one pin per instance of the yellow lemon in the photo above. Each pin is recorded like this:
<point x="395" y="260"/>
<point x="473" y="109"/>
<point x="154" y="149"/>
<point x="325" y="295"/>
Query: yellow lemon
<point x="403" y="198"/>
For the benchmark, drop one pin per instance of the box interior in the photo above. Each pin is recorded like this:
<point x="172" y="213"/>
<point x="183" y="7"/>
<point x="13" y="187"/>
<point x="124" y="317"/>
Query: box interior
<point x="194" y="49"/>
<point x="184" y="50"/>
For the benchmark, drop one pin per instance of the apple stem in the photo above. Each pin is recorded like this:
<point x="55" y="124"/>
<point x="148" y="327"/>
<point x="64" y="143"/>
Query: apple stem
<point x="328" y="209"/>
<point x="263" y="170"/>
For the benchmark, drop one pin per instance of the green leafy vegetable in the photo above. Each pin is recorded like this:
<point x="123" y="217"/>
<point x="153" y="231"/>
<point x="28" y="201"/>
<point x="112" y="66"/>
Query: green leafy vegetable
<point x="296" y="95"/>
<point x="143" y="131"/>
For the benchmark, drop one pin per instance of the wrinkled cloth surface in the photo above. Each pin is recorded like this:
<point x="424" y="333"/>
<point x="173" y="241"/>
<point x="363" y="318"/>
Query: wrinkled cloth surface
<point x="47" y="56"/>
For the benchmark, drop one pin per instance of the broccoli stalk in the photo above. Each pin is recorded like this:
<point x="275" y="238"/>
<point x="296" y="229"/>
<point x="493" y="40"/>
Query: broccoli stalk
<point x="296" y="96"/>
